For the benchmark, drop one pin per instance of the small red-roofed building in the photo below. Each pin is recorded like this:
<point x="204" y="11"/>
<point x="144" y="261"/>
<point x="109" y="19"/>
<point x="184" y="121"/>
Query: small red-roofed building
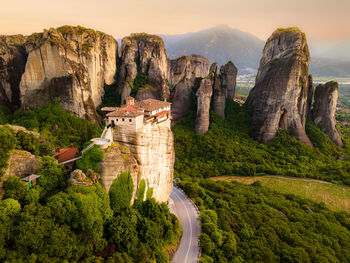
<point x="66" y="154"/>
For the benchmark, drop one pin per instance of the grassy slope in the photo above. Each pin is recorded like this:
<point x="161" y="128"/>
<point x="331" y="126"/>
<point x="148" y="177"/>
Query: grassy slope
<point x="335" y="197"/>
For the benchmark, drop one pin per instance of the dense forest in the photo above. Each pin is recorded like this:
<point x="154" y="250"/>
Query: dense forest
<point x="243" y="223"/>
<point x="252" y="224"/>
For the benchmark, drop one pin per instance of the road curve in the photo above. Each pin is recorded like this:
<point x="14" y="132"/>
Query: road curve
<point x="181" y="206"/>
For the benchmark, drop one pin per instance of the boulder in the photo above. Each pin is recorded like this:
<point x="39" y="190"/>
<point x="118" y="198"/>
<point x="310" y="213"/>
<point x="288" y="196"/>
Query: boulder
<point x="22" y="163"/>
<point x="279" y="97"/>
<point x="324" y="108"/>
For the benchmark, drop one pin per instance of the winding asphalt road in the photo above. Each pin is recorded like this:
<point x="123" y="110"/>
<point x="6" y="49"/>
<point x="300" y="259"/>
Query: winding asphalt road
<point x="181" y="206"/>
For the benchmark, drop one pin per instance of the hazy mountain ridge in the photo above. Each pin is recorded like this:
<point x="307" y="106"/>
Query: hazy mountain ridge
<point x="326" y="67"/>
<point x="218" y="44"/>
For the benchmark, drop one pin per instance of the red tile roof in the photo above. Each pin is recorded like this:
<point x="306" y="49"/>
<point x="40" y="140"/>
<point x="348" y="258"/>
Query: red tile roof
<point x="162" y="113"/>
<point x="66" y="154"/>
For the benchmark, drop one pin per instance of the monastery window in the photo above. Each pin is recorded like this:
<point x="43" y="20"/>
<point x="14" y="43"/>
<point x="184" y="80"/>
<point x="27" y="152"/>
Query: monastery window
<point x="130" y="120"/>
<point x="123" y="119"/>
<point x="117" y="119"/>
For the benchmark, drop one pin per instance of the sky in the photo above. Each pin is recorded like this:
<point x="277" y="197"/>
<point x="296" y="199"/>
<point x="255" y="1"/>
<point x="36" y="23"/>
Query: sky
<point x="324" y="21"/>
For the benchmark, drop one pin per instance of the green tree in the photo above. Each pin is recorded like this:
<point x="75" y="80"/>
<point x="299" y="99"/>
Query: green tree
<point x="15" y="188"/>
<point x="121" y="192"/>
<point x="52" y="176"/>
<point x="91" y="159"/>
<point x="9" y="207"/>
<point x="206" y="244"/>
<point x="141" y="190"/>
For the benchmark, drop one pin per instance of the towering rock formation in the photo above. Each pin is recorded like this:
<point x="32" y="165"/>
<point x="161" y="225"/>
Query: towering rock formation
<point x="13" y="57"/>
<point x="143" y="54"/>
<point x="69" y="63"/>
<point x="204" y="94"/>
<point x="323" y="112"/>
<point x="228" y="76"/>
<point x="183" y="74"/>
<point x="280" y="94"/>
<point x="219" y="93"/>
<point x="143" y="146"/>
<point x="224" y="86"/>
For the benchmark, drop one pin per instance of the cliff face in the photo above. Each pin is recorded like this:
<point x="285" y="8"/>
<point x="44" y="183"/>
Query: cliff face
<point x="13" y="58"/>
<point x="279" y="97"/>
<point x="323" y="112"/>
<point x="143" y="54"/>
<point x="69" y="63"/>
<point x="183" y="73"/>
<point x="148" y="154"/>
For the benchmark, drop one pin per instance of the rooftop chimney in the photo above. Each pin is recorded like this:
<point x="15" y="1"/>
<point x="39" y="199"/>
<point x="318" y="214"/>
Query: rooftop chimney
<point x="130" y="101"/>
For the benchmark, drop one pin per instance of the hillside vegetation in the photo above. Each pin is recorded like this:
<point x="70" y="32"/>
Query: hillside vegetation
<point x="335" y="197"/>
<point x="227" y="149"/>
<point x="265" y="221"/>
<point x="254" y="224"/>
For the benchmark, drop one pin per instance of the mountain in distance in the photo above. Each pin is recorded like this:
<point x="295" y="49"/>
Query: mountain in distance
<point x="223" y="43"/>
<point x="330" y="67"/>
<point x="340" y="50"/>
<point x="219" y="44"/>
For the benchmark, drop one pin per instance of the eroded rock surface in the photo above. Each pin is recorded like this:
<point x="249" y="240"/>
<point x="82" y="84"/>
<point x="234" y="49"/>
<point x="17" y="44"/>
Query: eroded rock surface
<point x="147" y="154"/>
<point x="13" y="58"/>
<point x="69" y="63"/>
<point x="323" y="112"/>
<point x="279" y="97"/>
